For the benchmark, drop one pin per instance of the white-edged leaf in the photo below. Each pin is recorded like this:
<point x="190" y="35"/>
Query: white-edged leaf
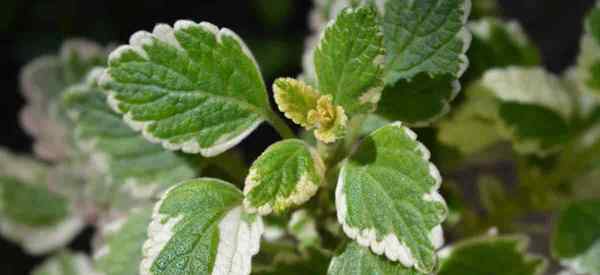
<point x="287" y="174"/>
<point x="66" y="263"/>
<point x="506" y="255"/>
<point x="387" y="198"/>
<point x="120" y="250"/>
<point x="121" y="155"/>
<point x="576" y="237"/>
<point x="358" y="260"/>
<point x="30" y="213"/>
<point x="192" y="87"/>
<point x="349" y="60"/>
<point x="198" y="227"/>
<point x="42" y="82"/>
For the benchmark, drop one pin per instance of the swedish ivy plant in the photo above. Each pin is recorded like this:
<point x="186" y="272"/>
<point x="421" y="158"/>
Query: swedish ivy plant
<point x="140" y="141"/>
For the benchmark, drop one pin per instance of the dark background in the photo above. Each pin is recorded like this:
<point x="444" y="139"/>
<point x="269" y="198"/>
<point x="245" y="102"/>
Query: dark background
<point x="274" y="30"/>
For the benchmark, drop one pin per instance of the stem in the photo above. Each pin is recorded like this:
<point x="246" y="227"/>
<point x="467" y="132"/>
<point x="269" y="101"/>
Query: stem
<point x="281" y="126"/>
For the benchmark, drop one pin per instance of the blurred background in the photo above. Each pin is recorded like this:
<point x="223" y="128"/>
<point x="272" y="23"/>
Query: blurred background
<point x="273" y="29"/>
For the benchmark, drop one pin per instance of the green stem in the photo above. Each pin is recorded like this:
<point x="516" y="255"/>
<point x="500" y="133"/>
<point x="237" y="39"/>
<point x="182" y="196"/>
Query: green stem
<point x="281" y="126"/>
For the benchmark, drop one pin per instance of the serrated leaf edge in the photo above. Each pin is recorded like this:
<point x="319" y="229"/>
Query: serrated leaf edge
<point x="166" y="34"/>
<point x="390" y="245"/>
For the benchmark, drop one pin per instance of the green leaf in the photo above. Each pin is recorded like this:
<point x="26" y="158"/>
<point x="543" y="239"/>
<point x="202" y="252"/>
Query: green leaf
<point x="192" y="87"/>
<point x="588" y="61"/>
<point x="425" y="37"/>
<point x="499" y="44"/>
<point x="66" y="263"/>
<point x="199" y="227"/>
<point x="295" y="99"/>
<point x="349" y="60"/>
<point x="120" y="252"/>
<point x="303" y="227"/>
<point x="30" y="214"/>
<point x="357" y="260"/>
<point x="576" y="237"/>
<point x="387" y="198"/>
<point x="42" y="82"/>
<point x="491" y="255"/>
<point x="122" y="156"/>
<point x="426" y="42"/>
<point x="287" y="174"/>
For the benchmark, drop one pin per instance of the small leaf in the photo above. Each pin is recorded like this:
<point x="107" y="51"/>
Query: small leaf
<point x="120" y="252"/>
<point x="491" y="255"/>
<point x="192" y="87"/>
<point x="387" y="198"/>
<point x="358" y="260"/>
<point x="349" y="60"/>
<point x="42" y="83"/>
<point x="295" y="99"/>
<point x="48" y="223"/>
<point x="198" y="227"/>
<point x="66" y="263"/>
<point x="426" y="43"/>
<point x="330" y="120"/>
<point x="303" y="227"/>
<point x="128" y="161"/>
<point x="576" y="237"/>
<point x="588" y="61"/>
<point x="287" y="174"/>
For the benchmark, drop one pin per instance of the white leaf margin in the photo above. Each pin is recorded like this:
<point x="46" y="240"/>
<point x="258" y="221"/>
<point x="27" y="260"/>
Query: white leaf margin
<point x="166" y="34"/>
<point x="389" y="245"/>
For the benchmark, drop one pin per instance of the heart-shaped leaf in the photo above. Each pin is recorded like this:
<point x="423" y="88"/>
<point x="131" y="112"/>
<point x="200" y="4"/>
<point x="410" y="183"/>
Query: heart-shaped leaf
<point x="387" y="198"/>
<point x="198" y="227"/>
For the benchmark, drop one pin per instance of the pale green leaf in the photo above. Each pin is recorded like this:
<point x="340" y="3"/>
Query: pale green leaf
<point x="193" y="87"/>
<point x="66" y="263"/>
<point x="198" y="227"/>
<point x="287" y="174"/>
<point x="387" y="198"/>
<point x="42" y="82"/>
<point x="30" y="214"/>
<point x="349" y="60"/>
<point x="124" y="158"/>
<point x="576" y="237"/>
<point x="358" y="260"/>
<point x="491" y="255"/>
<point x="303" y="227"/>
<point x="588" y="61"/>
<point x="120" y="251"/>
<point x="295" y="99"/>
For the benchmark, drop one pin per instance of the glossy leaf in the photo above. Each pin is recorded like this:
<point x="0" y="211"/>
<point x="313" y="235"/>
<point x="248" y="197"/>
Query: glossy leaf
<point x="387" y="198"/>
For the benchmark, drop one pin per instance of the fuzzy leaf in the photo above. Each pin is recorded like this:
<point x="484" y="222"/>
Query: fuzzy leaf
<point x="192" y="87"/>
<point x="358" y="260"/>
<point x="295" y="99"/>
<point x="127" y="160"/>
<point x="387" y="198"/>
<point x="426" y="42"/>
<point x="66" y="263"/>
<point x="576" y="237"/>
<point x="198" y="227"/>
<point x="42" y="83"/>
<point x="120" y="252"/>
<point x="349" y="60"/>
<point x="30" y="214"/>
<point x="491" y="255"/>
<point x="287" y="174"/>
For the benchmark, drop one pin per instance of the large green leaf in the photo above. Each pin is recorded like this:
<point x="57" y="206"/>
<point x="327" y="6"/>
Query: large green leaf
<point x="42" y="82"/>
<point x="426" y="42"/>
<point x="120" y="252"/>
<point x="349" y="60"/>
<point x="193" y="87"/>
<point x="576" y="237"/>
<point x="66" y="263"/>
<point x="122" y="156"/>
<point x="387" y="198"/>
<point x="30" y="214"/>
<point x="199" y="227"/>
<point x="288" y="173"/>
<point x="491" y="255"/>
<point x="358" y="260"/>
